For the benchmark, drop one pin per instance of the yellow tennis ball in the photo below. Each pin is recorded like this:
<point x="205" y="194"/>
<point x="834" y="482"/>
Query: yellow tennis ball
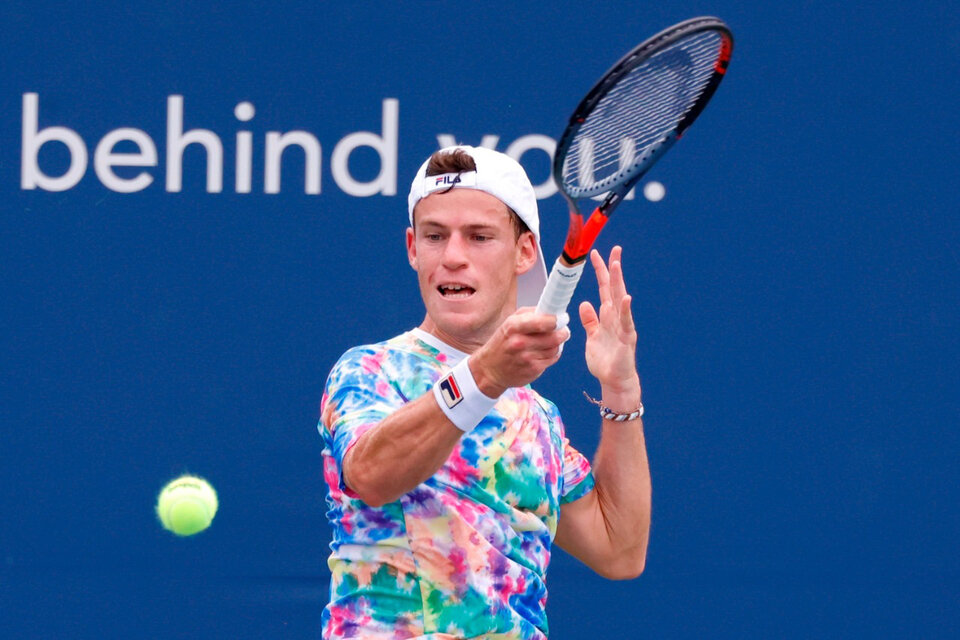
<point x="187" y="505"/>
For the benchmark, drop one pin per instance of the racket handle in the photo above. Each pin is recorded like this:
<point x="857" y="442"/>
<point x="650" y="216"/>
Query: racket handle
<point x="560" y="287"/>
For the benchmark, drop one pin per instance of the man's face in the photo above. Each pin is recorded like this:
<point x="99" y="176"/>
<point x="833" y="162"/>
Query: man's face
<point x="467" y="258"/>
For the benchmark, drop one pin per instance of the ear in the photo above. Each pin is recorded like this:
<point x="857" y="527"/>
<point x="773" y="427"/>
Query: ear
<point x="412" y="248"/>
<point x="526" y="252"/>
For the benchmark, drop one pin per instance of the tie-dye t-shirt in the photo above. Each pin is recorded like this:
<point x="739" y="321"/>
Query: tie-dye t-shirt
<point x="464" y="554"/>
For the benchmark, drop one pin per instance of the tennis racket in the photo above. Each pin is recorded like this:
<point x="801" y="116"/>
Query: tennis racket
<point x="627" y="121"/>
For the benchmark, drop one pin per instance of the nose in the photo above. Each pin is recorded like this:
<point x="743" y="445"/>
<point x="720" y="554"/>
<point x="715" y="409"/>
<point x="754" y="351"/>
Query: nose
<point x="455" y="251"/>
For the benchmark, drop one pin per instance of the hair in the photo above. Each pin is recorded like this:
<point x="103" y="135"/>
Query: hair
<point x="458" y="161"/>
<point x="453" y="161"/>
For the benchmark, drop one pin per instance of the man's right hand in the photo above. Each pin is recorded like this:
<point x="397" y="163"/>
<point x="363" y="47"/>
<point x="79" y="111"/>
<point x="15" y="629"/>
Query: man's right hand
<point x="518" y="352"/>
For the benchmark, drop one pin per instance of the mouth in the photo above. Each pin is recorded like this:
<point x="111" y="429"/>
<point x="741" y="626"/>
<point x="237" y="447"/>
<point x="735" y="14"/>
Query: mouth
<point x="455" y="291"/>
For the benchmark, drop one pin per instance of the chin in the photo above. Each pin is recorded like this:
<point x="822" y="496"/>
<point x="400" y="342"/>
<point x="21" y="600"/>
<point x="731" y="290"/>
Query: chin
<point x="458" y="325"/>
<point x="461" y="324"/>
<point x="467" y="319"/>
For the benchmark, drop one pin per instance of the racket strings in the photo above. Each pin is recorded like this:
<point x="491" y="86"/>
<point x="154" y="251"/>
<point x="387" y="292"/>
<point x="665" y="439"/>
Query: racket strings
<point x="638" y="112"/>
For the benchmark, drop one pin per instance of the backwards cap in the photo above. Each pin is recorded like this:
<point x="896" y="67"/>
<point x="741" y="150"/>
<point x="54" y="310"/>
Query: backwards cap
<point x="502" y="177"/>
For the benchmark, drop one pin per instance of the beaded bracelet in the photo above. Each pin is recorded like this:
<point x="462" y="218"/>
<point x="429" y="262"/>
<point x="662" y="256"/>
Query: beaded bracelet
<point x="610" y="414"/>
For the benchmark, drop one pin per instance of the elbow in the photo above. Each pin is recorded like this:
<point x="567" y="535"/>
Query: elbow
<point x="373" y="499"/>
<point x="367" y="482"/>
<point x="633" y="570"/>
<point x="623" y="572"/>
<point x="624" y="567"/>
<point x="367" y="490"/>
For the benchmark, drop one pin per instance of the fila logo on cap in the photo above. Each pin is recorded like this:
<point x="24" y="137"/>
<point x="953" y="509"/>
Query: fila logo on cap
<point x="450" y="391"/>
<point x="449" y="181"/>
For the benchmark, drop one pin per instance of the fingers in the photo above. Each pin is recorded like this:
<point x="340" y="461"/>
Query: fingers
<point x="513" y="357"/>
<point x="626" y="316"/>
<point x="588" y="318"/>
<point x="613" y="288"/>
<point x="603" y="277"/>
<point x="591" y="321"/>
<point x="527" y="320"/>
<point x="537" y="334"/>
<point x="618" y="288"/>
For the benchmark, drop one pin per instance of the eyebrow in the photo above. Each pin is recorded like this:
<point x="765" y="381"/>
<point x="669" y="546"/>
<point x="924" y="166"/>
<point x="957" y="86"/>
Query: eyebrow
<point x="467" y="227"/>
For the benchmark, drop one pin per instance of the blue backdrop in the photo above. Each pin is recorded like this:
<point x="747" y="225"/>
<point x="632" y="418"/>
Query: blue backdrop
<point x="796" y="293"/>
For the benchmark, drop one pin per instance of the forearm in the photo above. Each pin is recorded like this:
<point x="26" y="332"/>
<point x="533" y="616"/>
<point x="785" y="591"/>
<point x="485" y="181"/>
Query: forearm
<point x="405" y="449"/>
<point x="622" y="477"/>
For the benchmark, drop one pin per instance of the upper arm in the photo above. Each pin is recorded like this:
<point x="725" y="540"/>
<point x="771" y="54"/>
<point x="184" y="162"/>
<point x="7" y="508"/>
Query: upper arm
<point x="587" y="528"/>
<point x="357" y="397"/>
<point x="580" y="531"/>
<point x="583" y="533"/>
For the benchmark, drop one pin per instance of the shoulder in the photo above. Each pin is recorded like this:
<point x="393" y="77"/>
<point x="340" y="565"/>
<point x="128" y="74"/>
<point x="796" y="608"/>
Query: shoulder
<point x="394" y="355"/>
<point x="362" y="351"/>
<point x="356" y="356"/>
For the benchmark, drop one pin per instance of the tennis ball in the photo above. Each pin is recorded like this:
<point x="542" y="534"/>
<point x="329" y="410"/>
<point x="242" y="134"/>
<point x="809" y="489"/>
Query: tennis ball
<point x="187" y="505"/>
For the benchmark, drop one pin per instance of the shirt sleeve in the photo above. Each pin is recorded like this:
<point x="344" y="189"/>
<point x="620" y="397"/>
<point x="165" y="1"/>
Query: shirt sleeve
<point x="577" y="474"/>
<point x="358" y="395"/>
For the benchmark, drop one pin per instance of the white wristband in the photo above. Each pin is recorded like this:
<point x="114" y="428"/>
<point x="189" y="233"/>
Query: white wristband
<point x="460" y="398"/>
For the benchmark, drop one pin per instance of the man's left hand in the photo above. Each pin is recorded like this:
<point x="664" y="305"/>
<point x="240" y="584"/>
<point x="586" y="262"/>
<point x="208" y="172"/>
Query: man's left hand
<point x="611" y="336"/>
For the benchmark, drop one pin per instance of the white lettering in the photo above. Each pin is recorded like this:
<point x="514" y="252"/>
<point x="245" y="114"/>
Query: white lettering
<point x="489" y="141"/>
<point x="244" y="112"/>
<point x="385" y="144"/>
<point x="536" y="141"/>
<point x="244" y="161"/>
<point x="31" y="176"/>
<point x="276" y="143"/>
<point x="178" y="140"/>
<point x="386" y="147"/>
<point x="104" y="159"/>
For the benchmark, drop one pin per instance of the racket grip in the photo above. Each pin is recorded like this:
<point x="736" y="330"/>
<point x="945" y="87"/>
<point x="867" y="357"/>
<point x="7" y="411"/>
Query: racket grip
<point x="560" y="287"/>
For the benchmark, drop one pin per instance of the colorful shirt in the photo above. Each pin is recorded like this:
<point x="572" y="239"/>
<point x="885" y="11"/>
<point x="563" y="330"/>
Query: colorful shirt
<point x="464" y="554"/>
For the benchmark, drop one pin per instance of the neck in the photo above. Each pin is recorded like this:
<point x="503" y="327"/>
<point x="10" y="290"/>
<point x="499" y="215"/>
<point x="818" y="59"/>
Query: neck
<point x="468" y="343"/>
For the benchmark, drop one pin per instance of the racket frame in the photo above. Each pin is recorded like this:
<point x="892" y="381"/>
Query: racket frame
<point x="581" y="235"/>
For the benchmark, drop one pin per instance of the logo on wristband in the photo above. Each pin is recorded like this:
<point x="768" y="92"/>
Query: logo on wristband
<point x="450" y="391"/>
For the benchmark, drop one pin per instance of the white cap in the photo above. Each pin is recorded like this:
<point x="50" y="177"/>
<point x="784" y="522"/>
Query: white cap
<point x="502" y="177"/>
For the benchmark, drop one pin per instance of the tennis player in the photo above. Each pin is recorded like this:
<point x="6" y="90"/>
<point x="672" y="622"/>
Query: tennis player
<point x="449" y="478"/>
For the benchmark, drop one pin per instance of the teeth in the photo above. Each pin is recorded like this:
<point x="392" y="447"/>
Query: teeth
<point x="454" y="289"/>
